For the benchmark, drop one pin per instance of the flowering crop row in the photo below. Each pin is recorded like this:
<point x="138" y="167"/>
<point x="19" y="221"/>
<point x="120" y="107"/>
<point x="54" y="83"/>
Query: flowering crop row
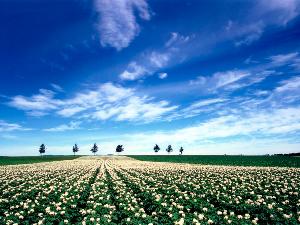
<point x="214" y="194"/>
<point x="43" y="193"/>
<point x="108" y="191"/>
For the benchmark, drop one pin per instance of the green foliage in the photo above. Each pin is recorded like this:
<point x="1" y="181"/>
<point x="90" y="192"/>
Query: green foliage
<point x="42" y="149"/>
<point x="156" y="148"/>
<point x="169" y="149"/>
<point x="181" y="150"/>
<point x="277" y="161"/>
<point x="7" y="160"/>
<point x="94" y="149"/>
<point x="75" y="149"/>
<point x="119" y="148"/>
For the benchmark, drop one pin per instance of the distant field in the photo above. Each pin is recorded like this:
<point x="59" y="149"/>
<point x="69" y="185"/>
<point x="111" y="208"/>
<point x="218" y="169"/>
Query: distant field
<point x="277" y="161"/>
<point x="7" y="160"/>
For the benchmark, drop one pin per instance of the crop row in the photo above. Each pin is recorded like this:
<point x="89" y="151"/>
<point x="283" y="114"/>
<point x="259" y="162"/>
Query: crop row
<point x="214" y="194"/>
<point x="134" y="192"/>
<point x="45" y="192"/>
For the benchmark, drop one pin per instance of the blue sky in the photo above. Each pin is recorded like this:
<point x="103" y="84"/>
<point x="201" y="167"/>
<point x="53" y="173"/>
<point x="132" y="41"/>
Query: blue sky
<point x="216" y="77"/>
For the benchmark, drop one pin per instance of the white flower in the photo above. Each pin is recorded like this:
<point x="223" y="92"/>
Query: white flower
<point x="201" y="216"/>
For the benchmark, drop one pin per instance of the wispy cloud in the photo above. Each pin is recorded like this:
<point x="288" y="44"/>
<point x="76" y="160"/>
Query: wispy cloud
<point x="286" y="93"/>
<point x="176" y="39"/>
<point x="117" y="23"/>
<point x="252" y="133"/>
<point x="149" y="62"/>
<point x="239" y="78"/>
<point x="5" y="126"/>
<point x="289" y="85"/>
<point x="220" y="79"/>
<point x="162" y="75"/>
<point x="106" y="102"/>
<point x="245" y="34"/>
<point x="37" y="104"/>
<point x="133" y="72"/>
<point x="57" y="88"/>
<point x="206" y="102"/>
<point x="264" y="13"/>
<point x="64" y="127"/>
<point x="279" y="121"/>
<point x="279" y="12"/>
<point x="291" y="59"/>
<point x="199" y="107"/>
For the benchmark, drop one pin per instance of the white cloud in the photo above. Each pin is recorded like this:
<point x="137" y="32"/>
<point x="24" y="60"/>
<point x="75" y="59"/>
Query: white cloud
<point x="199" y="107"/>
<point x="117" y="21"/>
<point x="281" y="12"/>
<point x="176" y="38"/>
<point x="133" y="72"/>
<point x="159" y="60"/>
<point x="225" y="78"/>
<point x="284" y="59"/>
<point x="231" y="80"/>
<point x="142" y="109"/>
<point x="162" y="75"/>
<point x="68" y="112"/>
<point x="64" y="127"/>
<point x="255" y="133"/>
<point x="149" y="62"/>
<point x="57" y="88"/>
<point x="291" y="84"/>
<point x="5" y="126"/>
<point x="279" y="121"/>
<point x="37" y="104"/>
<point x="220" y="79"/>
<point x="106" y="102"/>
<point x="248" y="33"/>
<point x="207" y="102"/>
<point x="134" y="108"/>
<point x="264" y="13"/>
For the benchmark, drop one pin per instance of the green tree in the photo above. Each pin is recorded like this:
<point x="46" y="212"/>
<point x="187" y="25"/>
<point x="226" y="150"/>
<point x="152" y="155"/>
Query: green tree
<point x="94" y="149"/>
<point x="156" y="148"/>
<point x="169" y="149"/>
<point x="75" y="149"/>
<point x="42" y="149"/>
<point x="181" y="150"/>
<point x="119" y="148"/>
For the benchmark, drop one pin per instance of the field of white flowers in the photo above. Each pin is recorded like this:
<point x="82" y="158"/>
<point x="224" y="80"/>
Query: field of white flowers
<point x="109" y="191"/>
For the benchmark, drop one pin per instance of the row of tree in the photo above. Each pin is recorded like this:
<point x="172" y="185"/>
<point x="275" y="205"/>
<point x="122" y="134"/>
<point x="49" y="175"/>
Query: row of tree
<point x="119" y="149"/>
<point x="168" y="149"/>
<point x="94" y="149"/>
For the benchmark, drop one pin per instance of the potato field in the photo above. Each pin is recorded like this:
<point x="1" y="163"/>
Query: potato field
<point x="127" y="191"/>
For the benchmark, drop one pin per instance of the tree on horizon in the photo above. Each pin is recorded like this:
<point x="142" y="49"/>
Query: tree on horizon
<point x="156" y="148"/>
<point x="75" y="149"/>
<point x="119" y="148"/>
<point x="169" y="149"/>
<point x="94" y="149"/>
<point x="181" y="150"/>
<point x="42" y="149"/>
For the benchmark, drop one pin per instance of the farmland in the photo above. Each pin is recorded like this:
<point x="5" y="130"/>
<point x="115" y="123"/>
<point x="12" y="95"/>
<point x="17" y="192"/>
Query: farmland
<point x="120" y="190"/>
<point x="7" y="160"/>
<point x="229" y="160"/>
